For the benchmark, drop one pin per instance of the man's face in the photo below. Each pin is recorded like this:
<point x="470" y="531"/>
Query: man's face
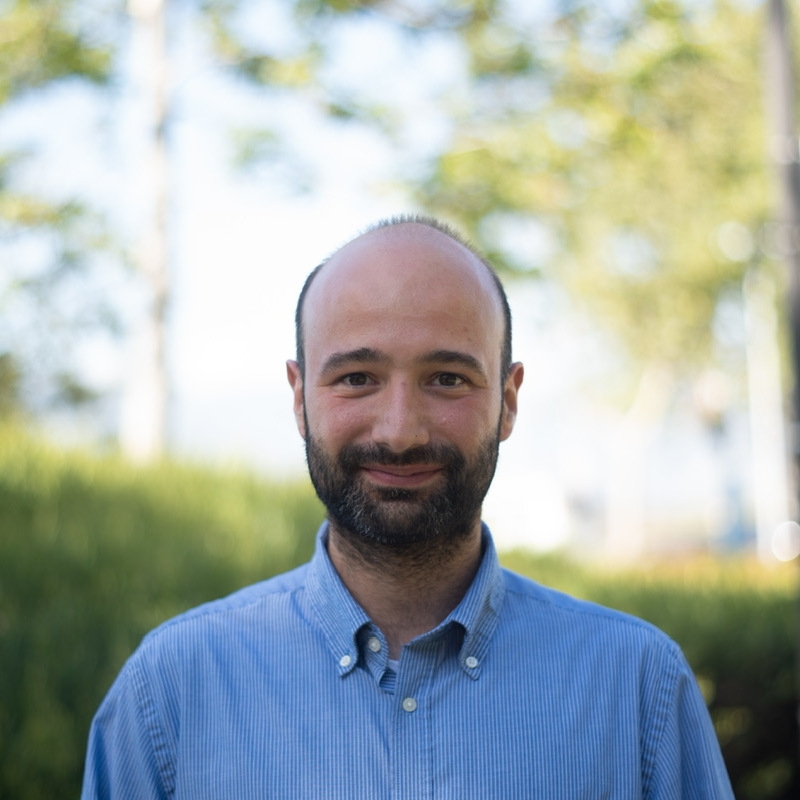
<point x="402" y="404"/>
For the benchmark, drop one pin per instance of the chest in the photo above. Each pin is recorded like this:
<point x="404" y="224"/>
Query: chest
<point x="514" y="732"/>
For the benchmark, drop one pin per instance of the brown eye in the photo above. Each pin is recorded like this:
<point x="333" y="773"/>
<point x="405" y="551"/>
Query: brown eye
<point x="355" y="379"/>
<point x="448" y="379"/>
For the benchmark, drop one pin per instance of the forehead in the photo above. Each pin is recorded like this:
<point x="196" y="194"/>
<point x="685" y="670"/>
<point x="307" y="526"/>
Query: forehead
<point x="401" y="284"/>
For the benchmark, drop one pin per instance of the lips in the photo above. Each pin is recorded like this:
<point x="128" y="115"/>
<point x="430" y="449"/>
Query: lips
<point x="408" y="476"/>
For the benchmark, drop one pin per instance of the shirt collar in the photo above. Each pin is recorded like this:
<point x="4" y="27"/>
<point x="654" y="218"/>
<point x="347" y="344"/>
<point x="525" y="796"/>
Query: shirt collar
<point x="340" y="617"/>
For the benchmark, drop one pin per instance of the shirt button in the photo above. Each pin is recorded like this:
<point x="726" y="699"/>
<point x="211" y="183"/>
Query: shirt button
<point x="409" y="704"/>
<point x="345" y="661"/>
<point x="374" y="644"/>
<point x="471" y="662"/>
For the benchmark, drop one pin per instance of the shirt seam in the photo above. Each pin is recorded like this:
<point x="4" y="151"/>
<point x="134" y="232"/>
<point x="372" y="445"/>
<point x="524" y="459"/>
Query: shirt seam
<point x="157" y="737"/>
<point x="671" y="674"/>
<point x="200" y="613"/>
<point x="590" y="609"/>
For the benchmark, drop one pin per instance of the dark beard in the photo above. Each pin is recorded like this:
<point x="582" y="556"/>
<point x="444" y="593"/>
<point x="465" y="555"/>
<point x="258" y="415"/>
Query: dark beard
<point x="405" y="522"/>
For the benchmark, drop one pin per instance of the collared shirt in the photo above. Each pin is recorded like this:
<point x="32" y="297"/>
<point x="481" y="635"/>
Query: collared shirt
<point x="284" y="690"/>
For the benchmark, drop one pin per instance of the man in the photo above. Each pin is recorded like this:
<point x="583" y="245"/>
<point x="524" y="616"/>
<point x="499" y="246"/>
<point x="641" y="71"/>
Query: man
<point x="403" y="662"/>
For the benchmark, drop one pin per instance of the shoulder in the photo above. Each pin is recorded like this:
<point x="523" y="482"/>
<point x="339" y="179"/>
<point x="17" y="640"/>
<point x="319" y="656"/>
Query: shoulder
<point x="625" y="670"/>
<point x="623" y="658"/>
<point x="216" y="641"/>
<point x="543" y="609"/>
<point x="242" y="613"/>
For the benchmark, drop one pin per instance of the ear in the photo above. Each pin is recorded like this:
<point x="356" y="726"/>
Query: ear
<point x="296" y="382"/>
<point x="510" y="390"/>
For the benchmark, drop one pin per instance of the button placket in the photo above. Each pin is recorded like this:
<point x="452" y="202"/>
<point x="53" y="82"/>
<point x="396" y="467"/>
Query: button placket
<point x="411" y="754"/>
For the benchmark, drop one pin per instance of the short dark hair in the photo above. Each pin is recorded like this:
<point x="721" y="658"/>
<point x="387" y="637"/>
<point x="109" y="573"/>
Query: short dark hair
<point x="447" y="230"/>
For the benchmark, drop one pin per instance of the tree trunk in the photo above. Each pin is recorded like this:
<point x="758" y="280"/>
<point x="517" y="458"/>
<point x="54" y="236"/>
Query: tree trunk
<point x="143" y="433"/>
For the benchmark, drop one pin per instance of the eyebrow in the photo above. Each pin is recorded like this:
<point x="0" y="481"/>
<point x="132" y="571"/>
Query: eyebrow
<point x="369" y="355"/>
<point x="454" y="358"/>
<point x="363" y="355"/>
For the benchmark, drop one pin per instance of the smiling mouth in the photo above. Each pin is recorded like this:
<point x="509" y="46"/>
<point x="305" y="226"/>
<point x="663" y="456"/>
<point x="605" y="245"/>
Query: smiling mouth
<point x="409" y="476"/>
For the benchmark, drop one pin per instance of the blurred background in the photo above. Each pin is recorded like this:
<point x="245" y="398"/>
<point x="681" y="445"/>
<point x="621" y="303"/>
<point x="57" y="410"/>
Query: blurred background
<point x="170" y="171"/>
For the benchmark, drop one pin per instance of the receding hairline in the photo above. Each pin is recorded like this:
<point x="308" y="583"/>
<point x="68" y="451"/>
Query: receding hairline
<point x="392" y="223"/>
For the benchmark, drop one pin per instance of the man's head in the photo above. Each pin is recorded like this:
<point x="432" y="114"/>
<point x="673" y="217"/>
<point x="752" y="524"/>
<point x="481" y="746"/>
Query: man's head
<point x="403" y="385"/>
<point x="435" y="225"/>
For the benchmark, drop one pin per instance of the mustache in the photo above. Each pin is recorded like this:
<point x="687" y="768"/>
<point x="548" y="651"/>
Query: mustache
<point x="353" y="456"/>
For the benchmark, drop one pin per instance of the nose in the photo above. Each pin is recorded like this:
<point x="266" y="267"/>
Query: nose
<point x="401" y="419"/>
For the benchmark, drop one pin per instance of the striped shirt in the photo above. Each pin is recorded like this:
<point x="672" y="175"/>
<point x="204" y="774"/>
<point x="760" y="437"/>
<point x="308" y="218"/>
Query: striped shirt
<point x="284" y="690"/>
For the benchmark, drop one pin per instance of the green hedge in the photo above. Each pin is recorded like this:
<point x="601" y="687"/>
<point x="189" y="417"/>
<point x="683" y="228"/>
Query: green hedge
<point x="94" y="552"/>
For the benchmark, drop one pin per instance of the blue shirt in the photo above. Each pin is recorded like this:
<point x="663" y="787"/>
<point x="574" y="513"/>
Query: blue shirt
<point x="283" y="690"/>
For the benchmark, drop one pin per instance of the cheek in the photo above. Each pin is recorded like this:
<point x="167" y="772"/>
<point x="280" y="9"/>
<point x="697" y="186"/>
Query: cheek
<point x="336" y="422"/>
<point x="468" y="423"/>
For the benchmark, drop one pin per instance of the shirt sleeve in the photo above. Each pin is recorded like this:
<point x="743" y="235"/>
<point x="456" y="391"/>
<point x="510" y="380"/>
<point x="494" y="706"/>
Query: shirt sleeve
<point x="682" y="757"/>
<point x="126" y="753"/>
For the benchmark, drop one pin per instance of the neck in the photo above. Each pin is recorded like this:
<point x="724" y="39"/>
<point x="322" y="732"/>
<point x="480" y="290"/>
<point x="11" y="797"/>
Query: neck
<point x="406" y="592"/>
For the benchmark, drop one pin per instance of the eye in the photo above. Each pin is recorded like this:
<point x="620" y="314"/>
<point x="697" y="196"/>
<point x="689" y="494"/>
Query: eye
<point x="449" y="379"/>
<point x="355" y="379"/>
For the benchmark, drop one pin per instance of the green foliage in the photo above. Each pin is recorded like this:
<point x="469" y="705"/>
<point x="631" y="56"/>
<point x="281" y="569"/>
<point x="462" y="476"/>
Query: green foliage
<point x="637" y="142"/>
<point x="41" y="45"/>
<point x="94" y="553"/>
<point x="9" y="385"/>
<point x="737" y="625"/>
<point x="45" y="242"/>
